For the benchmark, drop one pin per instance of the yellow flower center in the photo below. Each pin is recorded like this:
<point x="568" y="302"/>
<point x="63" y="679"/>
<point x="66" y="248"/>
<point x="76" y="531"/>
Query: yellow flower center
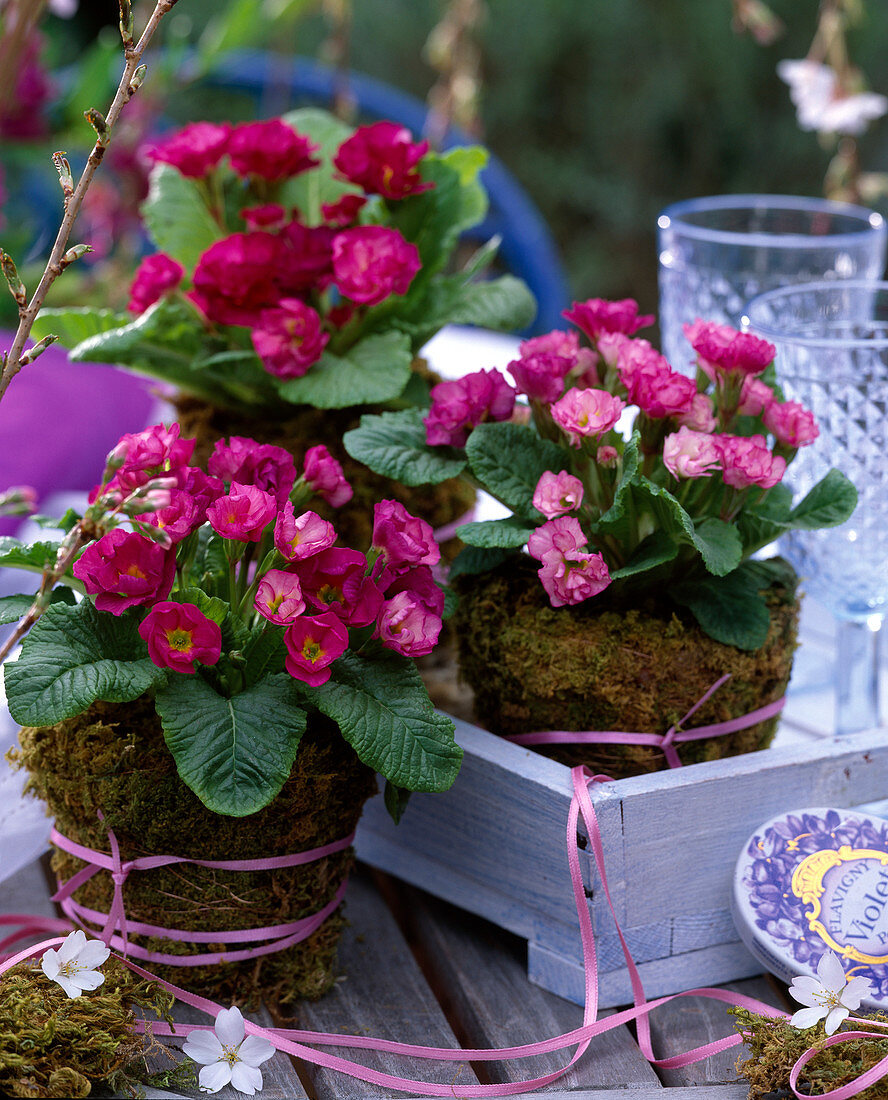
<point x="71" y="968"/>
<point x="179" y="639"/>
<point x="311" y="650"/>
<point x="135" y="571"/>
<point x="229" y="1054"/>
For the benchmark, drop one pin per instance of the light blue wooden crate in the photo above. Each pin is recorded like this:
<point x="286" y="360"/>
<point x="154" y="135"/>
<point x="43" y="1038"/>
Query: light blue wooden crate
<point x="495" y="845"/>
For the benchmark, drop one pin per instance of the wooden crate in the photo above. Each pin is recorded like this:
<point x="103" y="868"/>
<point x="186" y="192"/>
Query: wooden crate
<point x="495" y="845"/>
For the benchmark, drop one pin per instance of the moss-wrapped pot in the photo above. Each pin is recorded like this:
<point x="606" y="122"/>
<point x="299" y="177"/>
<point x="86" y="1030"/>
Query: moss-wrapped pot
<point x="113" y="758"/>
<point x="595" y="666"/>
<point x="301" y="427"/>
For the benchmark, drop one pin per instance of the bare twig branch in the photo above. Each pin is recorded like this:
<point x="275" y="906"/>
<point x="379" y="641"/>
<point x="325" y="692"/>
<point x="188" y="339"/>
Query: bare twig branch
<point x="133" y="74"/>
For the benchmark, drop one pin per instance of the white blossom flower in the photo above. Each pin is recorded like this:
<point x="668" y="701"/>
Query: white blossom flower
<point x="228" y="1054"/>
<point x="820" y="103"/>
<point x="829" y="996"/>
<point x="73" y="966"/>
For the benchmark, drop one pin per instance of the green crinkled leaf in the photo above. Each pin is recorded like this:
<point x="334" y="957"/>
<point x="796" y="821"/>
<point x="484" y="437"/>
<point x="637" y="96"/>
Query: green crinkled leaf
<point x="451" y="603"/>
<point x="265" y="652"/>
<point x="729" y="609"/>
<point x="719" y="544"/>
<point x="33" y="557"/>
<point x="831" y="502"/>
<point x="163" y="341"/>
<point x="657" y="549"/>
<point x="504" y="304"/>
<point x="393" y="444"/>
<point x="396" y="799"/>
<point x="477" y="559"/>
<point x="501" y="534"/>
<point x="383" y="711"/>
<point x="177" y="217"/>
<point x="211" y="606"/>
<point x="73" y="326"/>
<point x="58" y="523"/>
<point x="13" y="608"/>
<point x="509" y="459"/>
<point x="73" y="656"/>
<point x="235" y="754"/>
<point x="376" y="369"/>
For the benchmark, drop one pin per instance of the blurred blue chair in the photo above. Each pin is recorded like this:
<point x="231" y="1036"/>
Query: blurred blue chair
<point x="527" y="248"/>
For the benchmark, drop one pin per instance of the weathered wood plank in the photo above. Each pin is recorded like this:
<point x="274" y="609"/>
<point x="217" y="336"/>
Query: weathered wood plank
<point x="692" y="1021"/>
<point x="644" y="1092"/>
<point x="384" y="994"/>
<point x="479" y="973"/>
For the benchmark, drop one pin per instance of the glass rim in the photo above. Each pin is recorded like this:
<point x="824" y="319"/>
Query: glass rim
<point x="871" y="221"/>
<point x="769" y="332"/>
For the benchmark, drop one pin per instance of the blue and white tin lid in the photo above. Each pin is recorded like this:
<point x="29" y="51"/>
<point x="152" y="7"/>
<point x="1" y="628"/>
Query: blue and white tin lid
<point x="813" y="881"/>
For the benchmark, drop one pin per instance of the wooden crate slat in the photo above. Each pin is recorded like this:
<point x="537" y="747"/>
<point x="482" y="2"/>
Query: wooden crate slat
<point x="383" y="994"/>
<point x="480" y="972"/>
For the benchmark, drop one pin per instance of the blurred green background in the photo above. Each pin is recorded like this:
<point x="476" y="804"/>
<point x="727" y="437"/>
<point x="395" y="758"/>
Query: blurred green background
<point x="605" y="110"/>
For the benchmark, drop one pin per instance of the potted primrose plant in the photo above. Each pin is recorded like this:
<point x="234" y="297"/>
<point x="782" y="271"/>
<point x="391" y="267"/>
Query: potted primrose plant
<point x="225" y="690"/>
<point x="301" y="265"/>
<point x="639" y="588"/>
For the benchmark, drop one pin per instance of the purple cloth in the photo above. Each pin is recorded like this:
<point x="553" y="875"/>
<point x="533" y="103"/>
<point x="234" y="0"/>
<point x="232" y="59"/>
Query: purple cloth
<point x="59" y="419"/>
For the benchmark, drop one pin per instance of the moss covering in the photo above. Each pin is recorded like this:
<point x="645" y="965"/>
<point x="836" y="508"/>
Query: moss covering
<point x="775" y="1046"/>
<point x="113" y="758"/>
<point x="598" y="667"/>
<point x="55" y="1045"/>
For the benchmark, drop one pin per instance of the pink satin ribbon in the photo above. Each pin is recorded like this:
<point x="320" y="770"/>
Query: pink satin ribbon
<point x="282" y="935"/>
<point x="667" y="741"/>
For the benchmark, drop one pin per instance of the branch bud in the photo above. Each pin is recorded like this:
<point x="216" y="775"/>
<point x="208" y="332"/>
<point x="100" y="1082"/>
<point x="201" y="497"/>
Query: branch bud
<point x="38" y="349"/>
<point x="97" y="120"/>
<point x="126" y="23"/>
<point x="75" y="253"/>
<point x="66" y="179"/>
<point x="16" y="286"/>
<point x="138" y="77"/>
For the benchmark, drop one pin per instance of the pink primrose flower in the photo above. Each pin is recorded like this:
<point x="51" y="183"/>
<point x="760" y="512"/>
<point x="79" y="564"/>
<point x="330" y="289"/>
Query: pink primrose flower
<point x="306" y="261"/>
<point x="565" y="344"/>
<point x="460" y="405"/>
<point x="746" y="461"/>
<point x="155" y="276"/>
<point x="610" y="344"/>
<point x="279" y="597"/>
<point x="791" y="424"/>
<point x="270" y="215"/>
<point x="541" y="375"/>
<point x="271" y="150"/>
<point x="202" y="489"/>
<point x="690" y="454"/>
<point x="372" y="262"/>
<point x="313" y="644"/>
<point x="243" y="513"/>
<point x="195" y="149"/>
<point x="247" y="462"/>
<point x="557" y="494"/>
<point x="723" y="349"/>
<point x="289" y="338"/>
<point x="324" y="476"/>
<point x="344" y="211"/>
<point x="402" y="539"/>
<point x="419" y="581"/>
<point x="235" y="279"/>
<point x="755" y="396"/>
<point x="597" y="316"/>
<point x="382" y="158"/>
<point x="559" y="536"/>
<point x="298" y="537"/>
<point x="124" y="569"/>
<point x="700" y="417"/>
<point x="652" y="384"/>
<point x="178" y="635"/>
<point x="607" y="455"/>
<point x="573" y="577"/>
<point x="142" y="456"/>
<point x="335" y="580"/>
<point x="588" y="412"/>
<point x="407" y="626"/>
<point x="181" y="515"/>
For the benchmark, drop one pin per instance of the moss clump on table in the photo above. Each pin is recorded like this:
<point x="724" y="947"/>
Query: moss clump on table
<point x="55" y="1045"/>
<point x="599" y="666"/>
<point x="775" y="1046"/>
<point x="113" y="758"/>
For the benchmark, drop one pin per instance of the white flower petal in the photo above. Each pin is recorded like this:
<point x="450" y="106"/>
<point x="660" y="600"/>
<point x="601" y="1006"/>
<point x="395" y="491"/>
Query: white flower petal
<point x="87" y="979"/>
<point x="255" y="1050"/>
<point x="831" y="972"/>
<point x="854" y="992"/>
<point x="246" y="1078"/>
<point x="203" y="1047"/>
<point x="835" y="1018"/>
<point x="806" y="1017"/>
<point x="804" y="988"/>
<point x="70" y="987"/>
<point x="214" y="1077"/>
<point x="229" y="1026"/>
<point x="50" y="964"/>
<point x="93" y="954"/>
<point x="73" y="945"/>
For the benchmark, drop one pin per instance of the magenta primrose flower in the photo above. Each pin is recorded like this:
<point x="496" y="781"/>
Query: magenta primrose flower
<point x="235" y="279"/>
<point x="419" y="581"/>
<point x="382" y="158"/>
<point x="335" y="580"/>
<point x="289" y="338"/>
<point x="722" y="350"/>
<point x="313" y="644"/>
<point x="540" y="375"/>
<point x="306" y="261"/>
<point x="279" y="597"/>
<point x="270" y="215"/>
<point x="178" y="635"/>
<point x="324" y="476"/>
<point x="139" y="457"/>
<point x="298" y="537"/>
<point x="242" y="513"/>
<point x="344" y="211"/>
<point x="460" y="405"/>
<point x="557" y="494"/>
<point x="402" y="539"/>
<point x="195" y="149"/>
<point x="372" y="262"/>
<point x="597" y="316"/>
<point x="271" y="150"/>
<point x="407" y="626"/>
<point x="182" y="515"/>
<point x="747" y="461"/>
<point x="123" y="569"/>
<point x="247" y="462"/>
<point x="155" y="276"/>
<point x="790" y="423"/>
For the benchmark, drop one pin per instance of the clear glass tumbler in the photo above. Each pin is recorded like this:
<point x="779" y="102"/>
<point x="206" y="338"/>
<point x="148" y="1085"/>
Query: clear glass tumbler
<point x="717" y="253"/>
<point x="832" y="356"/>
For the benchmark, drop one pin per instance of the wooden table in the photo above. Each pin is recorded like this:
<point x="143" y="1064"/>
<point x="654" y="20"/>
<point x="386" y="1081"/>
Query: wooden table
<point x="419" y="971"/>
